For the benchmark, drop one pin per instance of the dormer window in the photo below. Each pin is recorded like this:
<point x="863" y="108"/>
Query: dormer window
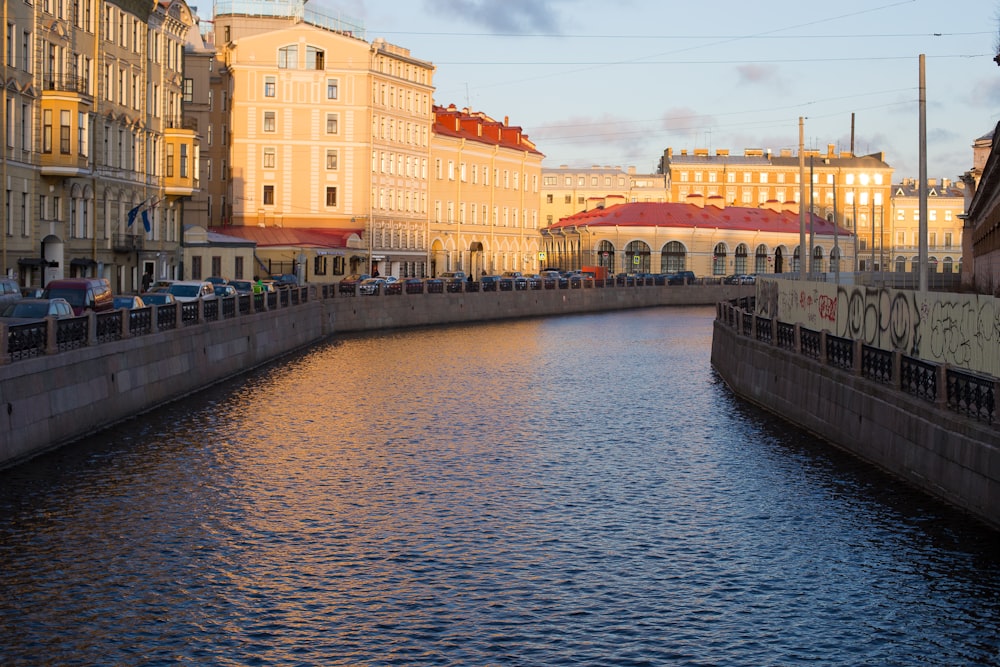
<point x="288" y="57"/>
<point x="315" y="58"/>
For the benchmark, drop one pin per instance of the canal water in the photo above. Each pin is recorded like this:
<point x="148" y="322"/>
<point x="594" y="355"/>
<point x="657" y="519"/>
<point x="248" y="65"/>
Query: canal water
<point x="578" y="490"/>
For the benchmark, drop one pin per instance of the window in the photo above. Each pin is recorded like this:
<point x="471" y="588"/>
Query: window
<point x="196" y="267"/>
<point x="314" y="58"/>
<point x="238" y="270"/>
<point x="188" y="90"/>
<point x="184" y="160"/>
<point x="331" y="158"/>
<point x="64" y="139"/>
<point x="268" y="195"/>
<point x="268" y="122"/>
<point x="269" y="158"/>
<point x="170" y="160"/>
<point x="269" y="84"/>
<point x="47" y="131"/>
<point x="208" y="171"/>
<point x="332" y="86"/>
<point x="331" y="123"/>
<point x="331" y="196"/>
<point x="288" y="57"/>
<point x="319" y="265"/>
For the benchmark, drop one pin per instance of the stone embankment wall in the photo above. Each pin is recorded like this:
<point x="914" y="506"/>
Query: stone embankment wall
<point x="948" y="455"/>
<point x="370" y="313"/>
<point x="51" y="400"/>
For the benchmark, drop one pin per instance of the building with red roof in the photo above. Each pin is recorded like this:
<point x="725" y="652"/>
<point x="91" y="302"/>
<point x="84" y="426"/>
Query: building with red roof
<point x="485" y="191"/>
<point x="709" y="239"/>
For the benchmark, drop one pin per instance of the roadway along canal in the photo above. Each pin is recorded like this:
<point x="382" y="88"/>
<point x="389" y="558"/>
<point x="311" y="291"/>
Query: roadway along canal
<point x="579" y="490"/>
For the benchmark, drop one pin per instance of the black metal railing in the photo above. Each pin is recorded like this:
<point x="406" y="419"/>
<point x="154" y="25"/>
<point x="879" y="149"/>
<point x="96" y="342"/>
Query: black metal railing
<point x="965" y="393"/>
<point x="840" y="352"/>
<point x="971" y="395"/>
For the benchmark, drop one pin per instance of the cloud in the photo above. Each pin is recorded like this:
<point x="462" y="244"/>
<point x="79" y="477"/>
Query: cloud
<point x="753" y="73"/>
<point x="510" y="16"/>
<point x="986" y="94"/>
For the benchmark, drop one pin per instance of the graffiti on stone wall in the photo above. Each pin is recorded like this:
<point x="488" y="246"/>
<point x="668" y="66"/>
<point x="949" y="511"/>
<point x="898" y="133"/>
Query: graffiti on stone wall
<point x="962" y="330"/>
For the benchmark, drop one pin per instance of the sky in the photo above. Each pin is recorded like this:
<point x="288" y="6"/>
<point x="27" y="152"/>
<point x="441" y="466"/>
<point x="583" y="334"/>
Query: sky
<point x="593" y="82"/>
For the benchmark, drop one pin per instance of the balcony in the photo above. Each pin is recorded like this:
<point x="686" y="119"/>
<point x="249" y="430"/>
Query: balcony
<point x="180" y="148"/>
<point x="66" y="110"/>
<point x="126" y="242"/>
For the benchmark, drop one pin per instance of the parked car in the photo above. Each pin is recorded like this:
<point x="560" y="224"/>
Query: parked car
<point x="160" y="285"/>
<point x="453" y="275"/>
<point x="217" y="280"/>
<point x="82" y="293"/>
<point x="158" y="298"/>
<point x="222" y="291"/>
<point x="372" y="286"/>
<point x="128" y="302"/>
<point x="28" y="293"/>
<point x="192" y="290"/>
<point x="681" y="277"/>
<point x="489" y="283"/>
<point x="242" y="286"/>
<point x="517" y="281"/>
<point x="286" y="280"/>
<point x="350" y="283"/>
<point x="748" y="279"/>
<point x="9" y="290"/>
<point x="32" y="310"/>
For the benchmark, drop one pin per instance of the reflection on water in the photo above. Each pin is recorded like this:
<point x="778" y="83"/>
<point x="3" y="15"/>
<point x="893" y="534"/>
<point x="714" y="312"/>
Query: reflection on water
<point x="577" y="490"/>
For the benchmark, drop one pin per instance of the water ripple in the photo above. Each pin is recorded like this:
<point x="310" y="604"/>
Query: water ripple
<point x="573" y="491"/>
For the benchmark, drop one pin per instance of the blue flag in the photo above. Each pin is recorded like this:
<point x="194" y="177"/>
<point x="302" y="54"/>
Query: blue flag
<point x="145" y="220"/>
<point x="131" y="215"/>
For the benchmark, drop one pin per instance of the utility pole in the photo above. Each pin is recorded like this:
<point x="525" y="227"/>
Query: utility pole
<point x="922" y="253"/>
<point x="802" y="199"/>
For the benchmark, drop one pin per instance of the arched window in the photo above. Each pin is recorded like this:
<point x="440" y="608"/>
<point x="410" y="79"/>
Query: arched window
<point x="795" y="260"/>
<point x="900" y="264"/>
<point x="948" y="265"/>
<point x="606" y="256"/>
<point x="835" y="260"/>
<point x="817" y="263"/>
<point x="288" y="57"/>
<point x="932" y="265"/>
<point x="719" y="260"/>
<point x="637" y="257"/>
<point x="673" y="257"/>
<point x="741" y="259"/>
<point x="760" y="259"/>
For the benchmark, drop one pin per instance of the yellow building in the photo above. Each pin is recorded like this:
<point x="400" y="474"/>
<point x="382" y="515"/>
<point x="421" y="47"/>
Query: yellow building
<point x="20" y="252"/>
<point x="92" y="109"/>
<point x="853" y="190"/>
<point x="322" y="132"/>
<point x="485" y="190"/>
<point x="945" y="222"/>
<point x="211" y="254"/>
<point x="566" y="191"/>
<point x="710" y="240"/>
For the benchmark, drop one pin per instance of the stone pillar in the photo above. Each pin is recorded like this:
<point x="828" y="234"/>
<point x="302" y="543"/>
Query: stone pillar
<point x="91" y="328"/>
<point x="125" y="317"/>
<point x="941" y="394"/>
<point x="51" y="344"/>
<point x="897" y="366"/>
<point x="4" y="353"/>
<point x="822" y="347"/>
<point x="859" y="349"/>
<point x="798" y="339"/>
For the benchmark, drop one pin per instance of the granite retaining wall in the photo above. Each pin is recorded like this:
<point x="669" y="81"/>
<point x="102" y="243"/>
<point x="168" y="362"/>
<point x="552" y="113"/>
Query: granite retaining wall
<point x="946" y="454"/>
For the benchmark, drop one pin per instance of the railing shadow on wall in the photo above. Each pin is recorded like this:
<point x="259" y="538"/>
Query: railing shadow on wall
<point x="955" y="389"/>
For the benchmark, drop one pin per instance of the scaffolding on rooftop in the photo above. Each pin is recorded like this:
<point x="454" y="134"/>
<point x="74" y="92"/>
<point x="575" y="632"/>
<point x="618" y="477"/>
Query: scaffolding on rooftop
<point x="295" y="9"/>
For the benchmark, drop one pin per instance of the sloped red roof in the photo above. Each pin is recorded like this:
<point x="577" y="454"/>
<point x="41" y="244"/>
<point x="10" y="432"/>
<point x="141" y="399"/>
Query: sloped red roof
<point x="653" y="214"/>
<point x="480" y="128"/>
<point x="297" y="237"/>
